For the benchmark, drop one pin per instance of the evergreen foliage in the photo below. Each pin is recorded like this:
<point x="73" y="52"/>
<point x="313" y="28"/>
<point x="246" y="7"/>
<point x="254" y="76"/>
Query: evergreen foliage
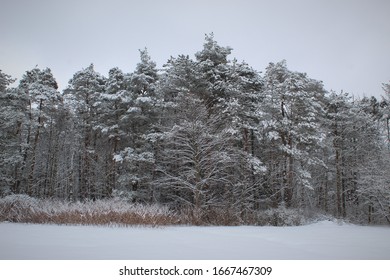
<point x="209" y="137"/>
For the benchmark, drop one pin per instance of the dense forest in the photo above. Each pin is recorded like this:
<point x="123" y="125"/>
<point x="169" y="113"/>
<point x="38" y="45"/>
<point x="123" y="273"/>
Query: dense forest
<point x="207" y="135"/>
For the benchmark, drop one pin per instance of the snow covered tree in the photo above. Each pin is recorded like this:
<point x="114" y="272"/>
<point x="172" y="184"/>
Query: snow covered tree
<point x="112" y="108"/>
<point x="356" y="149"/>
<point x="180" y="74"/>
<point x="229" y="100"/>
<point x="11" y="118"/>
<point x="212" y="64"/>
<point x="194" y="170"/>
<point x="370" y="186"/>
<point x="31" y="115"/>
<point x="386" y="109"/>
<point x="371" y="157"/>
<point x="41" y="88"/>
<point x="238" y="110"/>
<point x="232" y="91"/>
<point x="5" y="81"/>
<point x="292" y="111"/>
<point x="83" y="95"/>
<point x="340" y="113"/>
<point x="145" y="76"/>
<point x="136" y="155"/>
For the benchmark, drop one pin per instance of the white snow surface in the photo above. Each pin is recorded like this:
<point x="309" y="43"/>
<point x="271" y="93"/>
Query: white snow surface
<point x="324" y="240"/>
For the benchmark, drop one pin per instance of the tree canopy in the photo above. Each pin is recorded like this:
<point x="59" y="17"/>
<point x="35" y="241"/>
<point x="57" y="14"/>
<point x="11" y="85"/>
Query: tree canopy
<point x="206" y="135"/>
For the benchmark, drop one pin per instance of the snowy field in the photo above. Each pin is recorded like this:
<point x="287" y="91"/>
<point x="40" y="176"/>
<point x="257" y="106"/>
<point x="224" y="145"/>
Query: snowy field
<point x="320" y="241"/>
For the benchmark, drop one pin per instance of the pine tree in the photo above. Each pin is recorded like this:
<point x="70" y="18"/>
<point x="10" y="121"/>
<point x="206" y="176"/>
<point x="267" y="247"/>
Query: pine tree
<point x="229" y="93"/>
<point x="39" y="90"/>
<point x="113" y="104"/>
<point x="145" y="76"/>
<point x="386" y="109"/>
<point x="292" y="111"/>
<point x="83" y="95"/>
<point x="11" y="119"/>
<point x="212" y="65"/>
<point x="137" y="153"/>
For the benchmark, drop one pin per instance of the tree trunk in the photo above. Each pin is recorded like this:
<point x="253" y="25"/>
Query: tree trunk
<point x="34" y="148"/>
<point x="338" y="184"/>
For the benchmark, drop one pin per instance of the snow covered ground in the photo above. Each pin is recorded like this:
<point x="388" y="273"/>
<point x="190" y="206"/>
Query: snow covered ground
<point x="320" y="241"/>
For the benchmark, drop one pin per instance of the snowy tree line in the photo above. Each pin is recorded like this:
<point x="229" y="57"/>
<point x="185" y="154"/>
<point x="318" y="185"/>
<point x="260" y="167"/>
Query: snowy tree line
<point x="209" y="135"/>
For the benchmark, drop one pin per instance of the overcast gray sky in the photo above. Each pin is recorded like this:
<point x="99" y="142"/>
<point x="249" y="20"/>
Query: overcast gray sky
<point x="344" y="43"/>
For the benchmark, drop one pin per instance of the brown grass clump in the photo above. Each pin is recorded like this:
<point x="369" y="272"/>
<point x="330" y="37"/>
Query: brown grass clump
<point x="24" y="209"/>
